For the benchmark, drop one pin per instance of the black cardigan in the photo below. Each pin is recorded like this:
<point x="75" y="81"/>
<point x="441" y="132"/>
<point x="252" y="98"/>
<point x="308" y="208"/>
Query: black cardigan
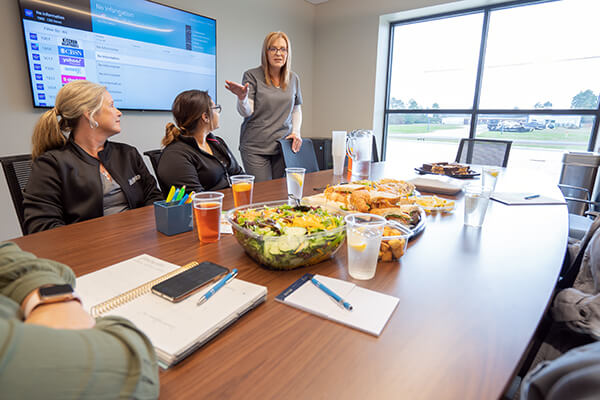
<point x="183" y="163"/>
<point x="65" y="185"/>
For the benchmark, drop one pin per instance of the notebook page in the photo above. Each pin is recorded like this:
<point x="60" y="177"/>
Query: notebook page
<point x="371" y="310"/>
<point x="99" y="286"/>
<point x="174" y="327"/>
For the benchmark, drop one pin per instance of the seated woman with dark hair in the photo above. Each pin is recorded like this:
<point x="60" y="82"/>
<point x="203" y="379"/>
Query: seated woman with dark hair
<point x="83" y="176"/>
<point x="193" y="156"/>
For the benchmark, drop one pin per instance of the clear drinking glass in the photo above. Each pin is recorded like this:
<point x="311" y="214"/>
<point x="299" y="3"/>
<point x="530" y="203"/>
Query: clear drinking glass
<point x="338" y="151"/>
<point x="242" y="187"/>
<point x="364" y="232"/>
<point x="207" y="215"/>
<point x="295" y="181"/>
<point x="489" y="176"/>
<point x="476" y="203"/>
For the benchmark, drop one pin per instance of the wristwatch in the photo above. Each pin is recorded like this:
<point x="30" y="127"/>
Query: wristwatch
<point x="49" y="294"/>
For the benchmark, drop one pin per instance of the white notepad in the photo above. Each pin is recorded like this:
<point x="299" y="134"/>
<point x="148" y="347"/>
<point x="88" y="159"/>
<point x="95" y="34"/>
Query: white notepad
<point x="371" y="310"/>
<point x="175" y="329"/>
<point x="518" y="199"/>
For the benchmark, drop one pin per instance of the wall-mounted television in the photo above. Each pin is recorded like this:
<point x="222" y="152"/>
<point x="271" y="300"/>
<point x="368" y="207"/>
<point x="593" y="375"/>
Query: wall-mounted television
<point x="145" y="53"/>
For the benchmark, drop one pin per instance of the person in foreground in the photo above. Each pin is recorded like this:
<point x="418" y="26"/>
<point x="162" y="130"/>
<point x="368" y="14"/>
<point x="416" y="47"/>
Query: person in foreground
<point x="269" y="99"/>
<point x="83" y="176"/>
<point x="56" y="350"/>
<point x="193" y="156"/>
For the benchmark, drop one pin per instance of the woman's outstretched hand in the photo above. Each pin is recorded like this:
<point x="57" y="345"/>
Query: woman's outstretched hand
<point x="241" y="91"/>
<point x="296" y="141"/>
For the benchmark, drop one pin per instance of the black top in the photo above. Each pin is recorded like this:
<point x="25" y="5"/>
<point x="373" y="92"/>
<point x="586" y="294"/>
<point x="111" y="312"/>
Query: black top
<point x="65" y="184"/>
<point x="183" y="162"/>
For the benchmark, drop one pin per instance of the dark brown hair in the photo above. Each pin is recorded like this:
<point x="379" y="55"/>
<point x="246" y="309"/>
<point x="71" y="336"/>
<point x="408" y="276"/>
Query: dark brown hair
<point x="187" y="110"/>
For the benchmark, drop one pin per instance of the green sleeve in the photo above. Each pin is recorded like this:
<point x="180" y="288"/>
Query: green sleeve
<point x="22" y="272"/>
<point x="112" y="360"/>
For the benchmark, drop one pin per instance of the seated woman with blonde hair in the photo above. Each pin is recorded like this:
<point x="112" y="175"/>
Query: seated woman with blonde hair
<point x="83" y="176"/>
<point x="193" y="156"/>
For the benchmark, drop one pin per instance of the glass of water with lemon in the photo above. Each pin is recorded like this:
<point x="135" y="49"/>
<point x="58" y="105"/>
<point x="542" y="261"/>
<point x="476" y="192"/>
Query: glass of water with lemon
<point x="363" y="234"/>
<point x="489" y="176"/>
<point x="295" y="182"/>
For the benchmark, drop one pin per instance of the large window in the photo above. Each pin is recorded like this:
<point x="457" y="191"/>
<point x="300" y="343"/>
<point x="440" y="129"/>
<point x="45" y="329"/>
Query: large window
<point x="526" y="71"/>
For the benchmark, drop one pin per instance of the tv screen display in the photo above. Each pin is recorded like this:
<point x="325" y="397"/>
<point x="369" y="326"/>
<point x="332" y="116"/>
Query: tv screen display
<point x="144" y="53"/>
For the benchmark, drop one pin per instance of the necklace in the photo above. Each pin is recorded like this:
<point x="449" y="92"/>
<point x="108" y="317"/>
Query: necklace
<point x="104" y="172"/>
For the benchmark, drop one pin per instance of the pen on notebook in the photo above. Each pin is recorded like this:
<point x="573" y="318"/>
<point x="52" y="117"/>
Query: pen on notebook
<point x="171" y="194"/>
<point x="226" y="279"/>
<point x="183" y="199"/>
<point x="531" y="196"/>
<point x="341" y="302"/>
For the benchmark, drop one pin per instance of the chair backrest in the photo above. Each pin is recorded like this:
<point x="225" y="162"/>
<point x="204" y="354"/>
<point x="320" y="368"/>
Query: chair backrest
<point x="17" y="170"/>
<point x="305" y="158"/>
<point x="154" y="156"/>
<point x="484" y="152"/>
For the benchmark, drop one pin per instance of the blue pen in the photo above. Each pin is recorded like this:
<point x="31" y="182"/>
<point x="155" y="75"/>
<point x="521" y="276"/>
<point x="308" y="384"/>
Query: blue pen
<point x="531" y="196"/>
<point x="341" y="302"/>
<point x="226" y="279"/>
<point x="183" y="199"/>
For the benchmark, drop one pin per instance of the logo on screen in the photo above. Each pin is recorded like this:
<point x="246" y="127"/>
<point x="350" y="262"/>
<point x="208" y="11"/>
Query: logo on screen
<point x="37" y="67"/>
<point x="41" y="96"/>
<point x="43" y="104"/>
<point x="33" y="36"/>
<point x="68" y="78"/>
<point x="36" y="57"/>
<point x="38" y="77"/>
<point x="70" y="42"/>
<point x="67" y="51"/>
<point x="35" y="46"/>
<point x="28" y="13"/>
<point x="39" y="86"/>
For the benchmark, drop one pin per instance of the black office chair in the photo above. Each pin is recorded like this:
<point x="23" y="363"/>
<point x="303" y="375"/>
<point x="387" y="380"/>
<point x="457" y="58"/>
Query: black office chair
<point x="154" y="156"/>
<point x="17" y="170"/>
<point x="484" y="152"/>
<point x="305" y="158"/>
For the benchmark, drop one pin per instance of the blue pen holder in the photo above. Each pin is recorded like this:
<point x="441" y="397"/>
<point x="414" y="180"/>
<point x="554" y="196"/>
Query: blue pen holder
<point x="171" y="218"/>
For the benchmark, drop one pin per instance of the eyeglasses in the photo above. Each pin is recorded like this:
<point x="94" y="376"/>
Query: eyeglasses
<point x="274" y="50"/>
<point x="217" y="108"/>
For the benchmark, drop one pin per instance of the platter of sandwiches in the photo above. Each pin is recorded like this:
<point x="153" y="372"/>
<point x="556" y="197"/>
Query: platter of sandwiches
<point x="454" y="170"/>
<point x="390" y="198"/>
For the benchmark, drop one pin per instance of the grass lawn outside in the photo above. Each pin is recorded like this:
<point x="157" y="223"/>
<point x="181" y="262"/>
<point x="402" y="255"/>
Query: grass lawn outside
<point x="557" y="138"/>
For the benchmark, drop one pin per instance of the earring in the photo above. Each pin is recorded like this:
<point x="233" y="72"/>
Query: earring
<point x="93" y="124"/>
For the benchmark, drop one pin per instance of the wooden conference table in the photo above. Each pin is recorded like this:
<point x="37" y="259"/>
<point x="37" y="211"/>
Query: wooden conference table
<point x="470" y="301"/>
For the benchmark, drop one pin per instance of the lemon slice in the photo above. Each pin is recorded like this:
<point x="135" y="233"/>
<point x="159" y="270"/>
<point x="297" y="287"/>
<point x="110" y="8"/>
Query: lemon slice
<point x="298" y="178"/>
<point x="494" y="173"/>
<point x="358" y="246"/>
<point x="241" y="187"/>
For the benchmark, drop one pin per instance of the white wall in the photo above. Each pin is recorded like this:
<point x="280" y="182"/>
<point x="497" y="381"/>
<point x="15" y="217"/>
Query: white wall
<point x="241" y="28"/>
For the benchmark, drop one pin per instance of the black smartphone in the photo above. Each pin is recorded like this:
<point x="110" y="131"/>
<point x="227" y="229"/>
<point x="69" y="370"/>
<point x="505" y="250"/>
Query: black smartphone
<point x="186" y="283"/>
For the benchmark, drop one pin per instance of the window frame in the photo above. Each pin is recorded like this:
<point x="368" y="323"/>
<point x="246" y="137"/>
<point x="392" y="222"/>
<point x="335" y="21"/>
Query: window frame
<point x="474" y="112"/>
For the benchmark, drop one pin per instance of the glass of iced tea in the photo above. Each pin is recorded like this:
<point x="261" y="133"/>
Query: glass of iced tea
<point x="242" y="187"/>
<point x="207" y="215"/>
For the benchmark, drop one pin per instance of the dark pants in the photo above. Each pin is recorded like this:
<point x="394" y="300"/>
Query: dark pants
<point x="263" y="167"/>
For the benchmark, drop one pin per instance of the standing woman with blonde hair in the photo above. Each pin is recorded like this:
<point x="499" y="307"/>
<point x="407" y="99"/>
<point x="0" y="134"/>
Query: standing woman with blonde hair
<point x="83" y="175"/>
<point x="269" y="99"/>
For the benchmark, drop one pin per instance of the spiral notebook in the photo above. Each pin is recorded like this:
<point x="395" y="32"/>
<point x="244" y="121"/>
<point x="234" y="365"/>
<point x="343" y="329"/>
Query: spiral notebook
<point x="175" y="329"/>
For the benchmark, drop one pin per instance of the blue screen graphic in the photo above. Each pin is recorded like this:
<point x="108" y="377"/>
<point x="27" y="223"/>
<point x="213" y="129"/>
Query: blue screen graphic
<point x="144" y="53"/>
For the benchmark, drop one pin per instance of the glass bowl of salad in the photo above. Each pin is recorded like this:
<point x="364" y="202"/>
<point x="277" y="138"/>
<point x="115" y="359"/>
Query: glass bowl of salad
<point x="284" y="237"/>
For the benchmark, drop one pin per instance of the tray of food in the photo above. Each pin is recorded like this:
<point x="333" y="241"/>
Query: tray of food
<point x="453" y="170"/>
<point x="435" y="204"/>
<point x="390" y="198"/>
<point x="284" y="237"/>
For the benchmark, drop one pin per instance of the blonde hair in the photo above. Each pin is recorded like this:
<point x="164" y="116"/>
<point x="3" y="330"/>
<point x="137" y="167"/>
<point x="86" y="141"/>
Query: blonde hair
<point x="188" y="108"/>
<point x="72" y="101"/>
<point x="284" y="77"/>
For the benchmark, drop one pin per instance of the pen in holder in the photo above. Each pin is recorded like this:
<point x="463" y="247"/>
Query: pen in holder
<point x="172" y="218"/>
